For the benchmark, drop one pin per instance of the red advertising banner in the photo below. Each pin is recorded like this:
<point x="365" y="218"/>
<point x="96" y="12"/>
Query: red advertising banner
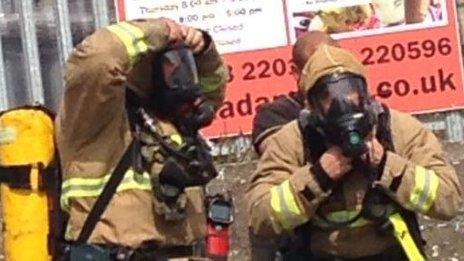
<point x="413" y="67"/>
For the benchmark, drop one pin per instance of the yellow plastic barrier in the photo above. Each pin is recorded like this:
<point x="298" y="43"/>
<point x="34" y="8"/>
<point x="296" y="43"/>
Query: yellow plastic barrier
<point x="26" y="137"/>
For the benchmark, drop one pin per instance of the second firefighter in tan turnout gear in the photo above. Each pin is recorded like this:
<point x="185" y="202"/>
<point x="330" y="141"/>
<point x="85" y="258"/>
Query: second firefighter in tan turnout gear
<point x="94" y="130"/>
<point x="270" y="118"/>
<point x="296" y="186"/>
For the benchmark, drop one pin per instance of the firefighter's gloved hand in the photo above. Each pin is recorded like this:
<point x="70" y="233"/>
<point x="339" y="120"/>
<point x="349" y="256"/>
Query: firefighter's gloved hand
<point x="172" y="180"/>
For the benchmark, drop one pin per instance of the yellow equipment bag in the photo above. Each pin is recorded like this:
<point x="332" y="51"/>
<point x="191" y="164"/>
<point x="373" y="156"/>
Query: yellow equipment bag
<point x="28" y="178"/>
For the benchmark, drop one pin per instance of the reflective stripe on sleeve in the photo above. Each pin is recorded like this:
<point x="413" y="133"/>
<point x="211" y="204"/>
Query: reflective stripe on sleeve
<point x="425" y="190"/>
<point x="177" y="139"/>
<point x="340" y="217"/>
<point x="402" y="234"/>
<point x="132" y="38"/>
<point x="285" y="207"/>
<point x="92" y="187"/>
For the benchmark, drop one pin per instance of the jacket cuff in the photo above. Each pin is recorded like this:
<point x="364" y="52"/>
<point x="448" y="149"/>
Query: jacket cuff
<point x="322" y="178"/>
<point x="305" y="183"/>
<point x="208" y="60"/>
<point x="208" y="42"/>
<point x="393" y="171"/>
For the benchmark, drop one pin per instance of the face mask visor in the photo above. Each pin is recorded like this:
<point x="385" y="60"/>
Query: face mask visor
<point x="337" y="94"/>
<point x="179" y="69"/>
<point x="341" y="104"/>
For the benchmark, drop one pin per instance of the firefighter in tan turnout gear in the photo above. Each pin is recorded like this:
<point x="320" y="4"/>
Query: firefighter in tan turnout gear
<point x="350" y="173"/>
<point x="136" y="94"/>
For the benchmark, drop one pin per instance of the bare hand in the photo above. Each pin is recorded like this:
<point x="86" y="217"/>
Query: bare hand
<point x="334" y="163"/>
<point x="175" y="31"/>
<point x="193" y="38"/>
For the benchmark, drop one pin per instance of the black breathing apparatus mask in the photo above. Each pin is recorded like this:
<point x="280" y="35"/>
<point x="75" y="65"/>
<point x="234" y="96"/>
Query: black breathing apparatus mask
<point x="345" y="123"/>
<point x="178" y="96"/>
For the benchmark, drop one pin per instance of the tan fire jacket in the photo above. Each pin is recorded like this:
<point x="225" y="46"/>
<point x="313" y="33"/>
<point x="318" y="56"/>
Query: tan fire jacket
<point x="428" y="185"/>
<point x="93" y="133"/>
<point x="285" y="194"/>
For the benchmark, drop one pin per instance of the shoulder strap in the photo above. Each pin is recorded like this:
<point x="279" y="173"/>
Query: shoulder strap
<point x="413" y="226"/>
<point x="106" y="195"/>
<point x="384" y="134"/>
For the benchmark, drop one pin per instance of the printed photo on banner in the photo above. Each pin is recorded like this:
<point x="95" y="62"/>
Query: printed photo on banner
<point x="348" y="19"/>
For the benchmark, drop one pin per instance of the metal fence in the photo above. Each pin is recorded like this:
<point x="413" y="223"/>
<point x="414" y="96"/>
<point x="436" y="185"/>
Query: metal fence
<point x="38" y="35"/>
<point x="36" y="39"/>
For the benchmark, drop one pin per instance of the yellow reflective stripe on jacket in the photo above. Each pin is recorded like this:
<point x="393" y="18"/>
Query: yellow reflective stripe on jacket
<point x="211" y="83"/>
<point x="340" y="217"/>
<point x="177" y="139"/>
<point x="132" y="38"/>
<point x="92" y="187"/>
<point x="285" y="207"/>
<point x="425" y="189"/>
<point x="402" y="234"/>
